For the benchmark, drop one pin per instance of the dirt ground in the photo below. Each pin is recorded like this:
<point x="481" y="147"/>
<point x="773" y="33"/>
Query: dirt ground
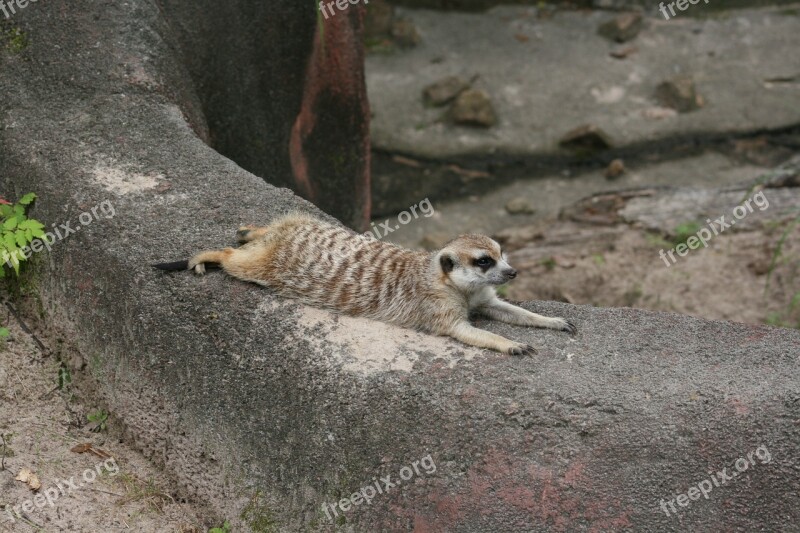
<point x="109" y="487"/>
<point x="620" y="267"/>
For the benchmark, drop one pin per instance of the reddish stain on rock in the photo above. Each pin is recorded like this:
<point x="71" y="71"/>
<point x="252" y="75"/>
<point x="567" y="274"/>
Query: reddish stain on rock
<point x="335" y="84"/>
<point x="503" y="485"/>
<point x="738" y="407"/>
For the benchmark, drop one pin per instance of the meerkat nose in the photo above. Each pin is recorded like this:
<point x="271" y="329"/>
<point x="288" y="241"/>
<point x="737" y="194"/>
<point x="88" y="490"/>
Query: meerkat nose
<point x="511" y="274"/>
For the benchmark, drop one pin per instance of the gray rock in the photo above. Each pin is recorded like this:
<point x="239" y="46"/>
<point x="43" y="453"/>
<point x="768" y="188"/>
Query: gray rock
<point x="519" y="206"/>
<point x="444" y="91"/>
<point x="473" y="107"/>
<point x="679" y="94"/>
<point x="588" y="137"/>
<point x="378" y="19"/>
<point x="615" y="169"/>
<point x="622" y="28"/>
<point x="405" y="34"/>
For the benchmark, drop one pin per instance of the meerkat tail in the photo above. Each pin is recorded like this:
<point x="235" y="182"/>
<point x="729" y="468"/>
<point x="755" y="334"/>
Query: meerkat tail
<point x="175" y="265"/>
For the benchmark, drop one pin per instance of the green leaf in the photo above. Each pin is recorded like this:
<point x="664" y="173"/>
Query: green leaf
<point x="27" y="199"/>
<point x="31" y="224"/>
<point x="21" y="240"/>
<point x="20" y="211"/>
<point x="11" y="223"/>
<point x="4" y="333"/>
<point x="37" y="233"/>
<point x="10" y="241"/>
<point x="6" y="210"/>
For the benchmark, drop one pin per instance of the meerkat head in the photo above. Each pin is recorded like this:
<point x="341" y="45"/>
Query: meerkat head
<point x="471" y="262"/>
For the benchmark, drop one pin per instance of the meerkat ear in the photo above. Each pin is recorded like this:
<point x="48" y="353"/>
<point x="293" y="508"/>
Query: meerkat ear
<point x="447" y="263"/>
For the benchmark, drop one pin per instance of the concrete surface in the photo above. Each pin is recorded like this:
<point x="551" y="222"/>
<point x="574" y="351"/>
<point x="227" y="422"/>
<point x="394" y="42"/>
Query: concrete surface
<point x="267" y="409"/>
<point x="549" y="76"/>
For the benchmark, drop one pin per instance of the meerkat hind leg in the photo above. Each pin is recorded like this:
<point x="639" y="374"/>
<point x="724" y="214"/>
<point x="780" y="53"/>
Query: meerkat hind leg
<point x="197" y="263"/>
<point x="469" y="334"/>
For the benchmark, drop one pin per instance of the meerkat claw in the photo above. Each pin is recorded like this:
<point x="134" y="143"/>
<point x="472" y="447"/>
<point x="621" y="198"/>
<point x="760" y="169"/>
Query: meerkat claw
<point x="570" y="328"/>
<point x="522" y="349"/>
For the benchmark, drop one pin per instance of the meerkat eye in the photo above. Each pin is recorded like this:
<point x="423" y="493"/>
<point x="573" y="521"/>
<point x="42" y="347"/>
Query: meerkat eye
<point x="484" y="261"/>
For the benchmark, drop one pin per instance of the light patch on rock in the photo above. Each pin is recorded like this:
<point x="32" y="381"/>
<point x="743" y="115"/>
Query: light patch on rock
<point x="612" y="95"/>
<point x="120" y="181"/>
<point x="368" y="347"/>
<point x="513" y="95"/>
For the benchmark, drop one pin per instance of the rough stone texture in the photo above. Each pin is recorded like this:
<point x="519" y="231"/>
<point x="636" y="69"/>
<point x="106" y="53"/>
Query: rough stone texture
<point x="266" y="409"/>
<point x="564" y="76"/>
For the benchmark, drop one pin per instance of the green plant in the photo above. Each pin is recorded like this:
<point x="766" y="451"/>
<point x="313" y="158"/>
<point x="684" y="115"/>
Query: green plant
<point x="64" y="377"/>
<point x="17" y="232"/>
<point x="657" y="240"/>
<point x="258" y="516"/>
<point x="226" y="528"/>
<point x="784" y="319"/>
<point x="4" y="333"/>
<point x="549" y="263"/>
<point x="684" y="231"/>
<point x="99" y="418"/>
<point x="779" y="250"/>
<point x="16" y="39"/>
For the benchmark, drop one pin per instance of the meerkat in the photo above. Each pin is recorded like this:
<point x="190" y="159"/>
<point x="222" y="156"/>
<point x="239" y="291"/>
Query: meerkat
<point x="331" y="267"/>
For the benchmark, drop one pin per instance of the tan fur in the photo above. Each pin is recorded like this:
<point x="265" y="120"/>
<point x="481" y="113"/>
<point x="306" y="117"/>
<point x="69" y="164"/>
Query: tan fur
<point x="329" y="266"/>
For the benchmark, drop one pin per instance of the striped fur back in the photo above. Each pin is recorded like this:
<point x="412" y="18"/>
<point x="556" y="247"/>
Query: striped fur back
<point x="332" y="267"/>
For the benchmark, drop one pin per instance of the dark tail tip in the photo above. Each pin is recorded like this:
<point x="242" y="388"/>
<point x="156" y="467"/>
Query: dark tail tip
<point x="177" y="265"/>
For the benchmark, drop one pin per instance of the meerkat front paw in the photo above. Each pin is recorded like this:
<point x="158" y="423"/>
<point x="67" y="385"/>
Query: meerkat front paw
<point x="522" y="349"/>
<point x="562" y="324"/>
